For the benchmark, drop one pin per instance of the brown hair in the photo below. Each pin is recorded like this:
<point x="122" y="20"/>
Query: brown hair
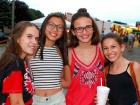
<point x="13" y="49"/>
<point x="114" y="36"/>
<point x="82" y="12"/>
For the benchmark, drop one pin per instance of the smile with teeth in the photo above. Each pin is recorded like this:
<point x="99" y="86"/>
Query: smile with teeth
<point x="85" y="36"/>
<point x="111" y="56"/>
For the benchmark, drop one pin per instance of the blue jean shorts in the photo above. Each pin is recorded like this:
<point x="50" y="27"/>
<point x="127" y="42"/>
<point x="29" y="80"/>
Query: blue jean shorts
<point x="56" y="99"/>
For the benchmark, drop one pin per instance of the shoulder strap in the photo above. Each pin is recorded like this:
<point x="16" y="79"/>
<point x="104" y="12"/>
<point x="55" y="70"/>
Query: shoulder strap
<point x="106" y="70"/>
<point x="134" y="81"/>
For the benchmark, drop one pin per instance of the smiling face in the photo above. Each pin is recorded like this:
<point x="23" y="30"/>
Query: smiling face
<point x="28" y="41"/>
<point x="112" y="49"/>
<point x="83" y="29"/>
<point x="54" y="29"/>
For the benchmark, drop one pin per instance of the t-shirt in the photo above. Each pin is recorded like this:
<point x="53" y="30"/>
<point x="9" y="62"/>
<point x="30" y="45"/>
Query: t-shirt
<point x="18" y="81"/>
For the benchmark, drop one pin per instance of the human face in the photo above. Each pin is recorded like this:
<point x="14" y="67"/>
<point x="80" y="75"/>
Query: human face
<point x="112" y="49"/>
<point x="28" y="41"/>
<point x="83" y="29"/>
<point x="54" y="29"/>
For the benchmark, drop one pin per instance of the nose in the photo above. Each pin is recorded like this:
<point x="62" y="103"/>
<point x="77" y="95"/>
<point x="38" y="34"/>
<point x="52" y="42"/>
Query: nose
<point x="55" y="28"/>
<point x="35" y="41"/>
<point x="84" y="30"/>
<point x="109" y="50"/>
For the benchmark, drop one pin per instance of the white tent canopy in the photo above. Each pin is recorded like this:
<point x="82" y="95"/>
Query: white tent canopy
<point x="39" y="22"/>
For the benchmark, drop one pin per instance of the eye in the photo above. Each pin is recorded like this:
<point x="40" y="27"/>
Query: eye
<point x="60" y="27"/>
<point x="89" y="26"/>
<point x="29" y="36"/>
<point x="51" y="25"/>
<point x="113" y="46"/>
<point x="105" y="48"/>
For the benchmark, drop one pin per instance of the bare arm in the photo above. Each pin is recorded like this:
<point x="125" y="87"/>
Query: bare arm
<point x="66" y="79"/>
<point x="137" y="73"/>
<point x="16" y="99"/>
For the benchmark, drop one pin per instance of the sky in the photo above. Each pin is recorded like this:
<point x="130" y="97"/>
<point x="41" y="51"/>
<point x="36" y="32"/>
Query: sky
<point x="127" y="11"/>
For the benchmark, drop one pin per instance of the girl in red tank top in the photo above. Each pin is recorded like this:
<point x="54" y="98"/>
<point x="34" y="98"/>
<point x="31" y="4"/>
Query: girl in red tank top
<point x="85" y="60"/>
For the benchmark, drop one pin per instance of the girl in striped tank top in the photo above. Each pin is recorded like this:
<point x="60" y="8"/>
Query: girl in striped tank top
<point x="85" y="60"/>
<point x="47" y="65"/>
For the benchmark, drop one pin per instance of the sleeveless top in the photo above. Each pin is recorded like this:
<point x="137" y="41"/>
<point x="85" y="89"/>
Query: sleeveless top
<point x="122" y="90"/>
<point x="85" y="79"/>
<point x="47" y="72"/>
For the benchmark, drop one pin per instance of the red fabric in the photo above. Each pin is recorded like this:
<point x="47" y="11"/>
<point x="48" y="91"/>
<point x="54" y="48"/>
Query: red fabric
<point x="18" y="81"/>
<point x="13" y="83"/>
<point x="29" y="102"/>
<point x="82" y="89"/>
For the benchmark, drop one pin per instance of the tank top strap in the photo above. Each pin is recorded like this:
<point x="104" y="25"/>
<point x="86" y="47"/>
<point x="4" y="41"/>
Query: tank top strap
<point x="127" y="66"/>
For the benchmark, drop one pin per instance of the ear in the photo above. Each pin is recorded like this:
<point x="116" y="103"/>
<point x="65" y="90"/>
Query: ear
<point x="73" y="32"/>
<point x="18" y="40"/>
<point x="123" y="47"/>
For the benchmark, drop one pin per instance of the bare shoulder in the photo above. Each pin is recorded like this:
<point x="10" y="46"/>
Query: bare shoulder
<point x="69" y="55"/>
<point x="100" y="46"/>
<point x="136" y="66"/>
<point x="58" y="51"/>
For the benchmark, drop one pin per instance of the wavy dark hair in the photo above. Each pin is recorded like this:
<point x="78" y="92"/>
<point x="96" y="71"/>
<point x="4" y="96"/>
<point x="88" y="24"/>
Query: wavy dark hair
<point x="60" y="43"/>
<point x="13" y="49"/>
<point x="82" y="12"/>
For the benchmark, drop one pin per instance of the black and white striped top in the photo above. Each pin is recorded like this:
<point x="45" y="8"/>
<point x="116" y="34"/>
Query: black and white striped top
<point x="46" y="72"/>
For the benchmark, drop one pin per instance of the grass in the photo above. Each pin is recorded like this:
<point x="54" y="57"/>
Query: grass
<point x="2" y="45"/>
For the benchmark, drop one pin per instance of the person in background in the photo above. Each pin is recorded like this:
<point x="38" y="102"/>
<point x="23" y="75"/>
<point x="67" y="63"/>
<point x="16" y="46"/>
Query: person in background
<point x="138" y="37"/>
<point x="125" y="39"/>
<point x="16" y="84"/>
<point x="86" y="61"/>
<point x="131" y="40"/>
<point x="48" y="63"/>
<point x="118" y="76"/>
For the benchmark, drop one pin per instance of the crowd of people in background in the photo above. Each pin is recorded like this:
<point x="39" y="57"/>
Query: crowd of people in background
<point x="38" y="64"/>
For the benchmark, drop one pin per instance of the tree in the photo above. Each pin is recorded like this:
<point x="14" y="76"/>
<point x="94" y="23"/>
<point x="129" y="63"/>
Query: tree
<point x="35" y="14"/>
<point x="22" y="12"/>
<point x="4" y="14"/>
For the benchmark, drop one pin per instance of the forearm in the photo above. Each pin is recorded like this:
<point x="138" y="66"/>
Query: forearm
<point x="16" y="99"/>
<point x="66" y="78"/>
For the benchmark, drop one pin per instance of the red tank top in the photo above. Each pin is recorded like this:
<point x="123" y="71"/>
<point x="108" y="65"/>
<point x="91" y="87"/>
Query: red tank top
<point x="85" y="79"/>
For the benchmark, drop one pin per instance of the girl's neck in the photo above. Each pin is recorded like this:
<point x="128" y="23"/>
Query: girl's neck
<point x="85" y="45"/>
<point x="119" y="62"/>
<point x="119" y="66"/>
<point x="49" y="43"/>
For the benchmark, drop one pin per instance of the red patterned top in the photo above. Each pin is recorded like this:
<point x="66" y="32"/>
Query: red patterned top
<point x="18" y="81"/>
<point x="85" y="79"/>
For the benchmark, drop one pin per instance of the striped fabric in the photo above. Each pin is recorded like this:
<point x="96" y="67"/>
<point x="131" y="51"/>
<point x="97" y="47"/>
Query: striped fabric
<point x="46" y="72"/>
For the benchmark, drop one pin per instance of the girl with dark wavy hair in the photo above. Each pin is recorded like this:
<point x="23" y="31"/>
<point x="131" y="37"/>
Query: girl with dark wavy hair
<point x="48" y="64"/>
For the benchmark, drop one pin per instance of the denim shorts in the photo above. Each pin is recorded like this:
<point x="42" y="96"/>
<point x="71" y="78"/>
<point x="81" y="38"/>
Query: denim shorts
<point x="56" y="99"/>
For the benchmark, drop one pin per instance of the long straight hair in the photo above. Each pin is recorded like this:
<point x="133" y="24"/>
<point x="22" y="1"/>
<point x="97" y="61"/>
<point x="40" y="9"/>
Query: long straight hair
<point x="13" y="49"/>
<point x="60" y="43"/>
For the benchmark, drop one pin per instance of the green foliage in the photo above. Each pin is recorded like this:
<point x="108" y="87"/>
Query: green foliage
<point x="35" y="14"/>
<point x="22" y="12"/>
<point x="4" y="13"/>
